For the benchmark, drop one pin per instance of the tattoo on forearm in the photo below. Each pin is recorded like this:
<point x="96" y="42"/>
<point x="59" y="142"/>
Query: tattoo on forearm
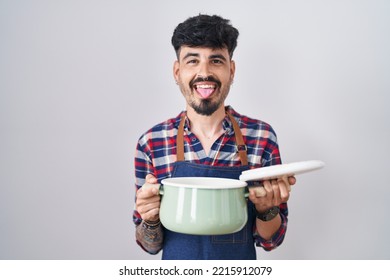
<point x="151" y="237"/>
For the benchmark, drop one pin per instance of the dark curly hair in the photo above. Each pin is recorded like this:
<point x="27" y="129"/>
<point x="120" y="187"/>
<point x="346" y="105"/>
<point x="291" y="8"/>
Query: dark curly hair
<point x="205" y="31"/>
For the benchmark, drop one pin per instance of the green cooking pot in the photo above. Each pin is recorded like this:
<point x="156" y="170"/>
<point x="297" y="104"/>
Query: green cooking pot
<point x="203" y="205"/>
<point x="211" y="206"/>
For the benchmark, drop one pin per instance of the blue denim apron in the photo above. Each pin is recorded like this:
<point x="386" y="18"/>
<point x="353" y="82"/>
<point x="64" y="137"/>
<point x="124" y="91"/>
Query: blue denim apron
<point x="239" y="245"/>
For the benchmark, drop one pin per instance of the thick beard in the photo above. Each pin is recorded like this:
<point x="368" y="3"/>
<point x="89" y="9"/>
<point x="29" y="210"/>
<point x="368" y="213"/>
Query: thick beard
<point x="206" y="107"/>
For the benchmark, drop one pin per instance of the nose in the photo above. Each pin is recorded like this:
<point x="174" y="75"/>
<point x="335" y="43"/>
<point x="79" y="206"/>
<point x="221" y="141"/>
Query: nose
<point x="204" y="70"/>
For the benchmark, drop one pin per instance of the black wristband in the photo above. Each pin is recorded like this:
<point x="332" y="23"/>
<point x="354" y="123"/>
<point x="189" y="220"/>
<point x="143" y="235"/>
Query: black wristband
<point x="268" y="215"/>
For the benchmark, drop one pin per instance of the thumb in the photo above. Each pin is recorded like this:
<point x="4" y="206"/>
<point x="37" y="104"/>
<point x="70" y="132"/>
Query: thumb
<point x="151" y="179"/>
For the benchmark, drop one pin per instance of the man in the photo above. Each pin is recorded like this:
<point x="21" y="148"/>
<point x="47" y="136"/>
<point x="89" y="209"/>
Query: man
<point x="204" y="72"/>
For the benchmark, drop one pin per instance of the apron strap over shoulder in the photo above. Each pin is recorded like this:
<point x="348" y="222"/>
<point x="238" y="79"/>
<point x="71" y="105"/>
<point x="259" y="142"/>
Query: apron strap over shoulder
<point x="180" y="140"/>
<point x="240" y="144"/>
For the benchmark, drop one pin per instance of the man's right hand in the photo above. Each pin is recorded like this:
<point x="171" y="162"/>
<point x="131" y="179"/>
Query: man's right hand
<point x="148" y="199"/>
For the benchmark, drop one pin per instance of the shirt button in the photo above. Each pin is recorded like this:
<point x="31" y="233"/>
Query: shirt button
<point x="193" y="139"/>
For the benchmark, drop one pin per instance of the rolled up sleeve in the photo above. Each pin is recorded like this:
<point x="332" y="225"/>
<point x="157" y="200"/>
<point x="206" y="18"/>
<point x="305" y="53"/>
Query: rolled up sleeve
<point x="278" y="237"/>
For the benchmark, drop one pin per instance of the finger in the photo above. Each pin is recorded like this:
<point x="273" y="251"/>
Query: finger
<point x="150" y="179"/>
<point x="145" y="207"/>
<point x="292" y="180"/>
<point x="151" y="215"/>
<point x="154" y="212"/>
<point x="154" y="187"/>
<point x="284" y="190"/>
<point x="259" y="191"/>
<point x="286" y="180"/>
<point x="147" y="196"/>
<point x="276" y="192"/>
<point x="268" y="187"/>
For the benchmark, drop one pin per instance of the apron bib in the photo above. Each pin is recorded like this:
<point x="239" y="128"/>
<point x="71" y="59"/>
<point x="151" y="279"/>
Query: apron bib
<point x="239" y="245"/>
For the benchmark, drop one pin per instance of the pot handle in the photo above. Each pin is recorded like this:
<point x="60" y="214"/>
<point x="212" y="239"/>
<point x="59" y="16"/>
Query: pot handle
<point x="259" y="191"/>
<point x="158" y="187"/>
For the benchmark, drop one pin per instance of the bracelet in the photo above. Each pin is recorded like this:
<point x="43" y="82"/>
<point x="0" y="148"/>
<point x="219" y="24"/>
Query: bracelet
<point x="151" y="224"/>
<point x="267" y="215"/>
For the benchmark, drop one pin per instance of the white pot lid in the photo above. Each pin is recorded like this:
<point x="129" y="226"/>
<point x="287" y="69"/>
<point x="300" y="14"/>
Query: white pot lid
<point x="204" y="183"/>
<point x="281" y="170"/>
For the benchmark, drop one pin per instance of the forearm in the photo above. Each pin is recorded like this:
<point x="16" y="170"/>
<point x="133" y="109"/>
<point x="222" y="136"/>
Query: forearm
<point x="270" y="233"/>
<point x="270" y="242"/>
<point x="150" y="237"/>
<point x="267" y="229"/>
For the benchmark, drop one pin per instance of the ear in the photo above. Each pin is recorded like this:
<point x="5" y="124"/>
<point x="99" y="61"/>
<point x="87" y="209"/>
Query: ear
<point x="232" y="70"/>
<point x="176" y="71"/>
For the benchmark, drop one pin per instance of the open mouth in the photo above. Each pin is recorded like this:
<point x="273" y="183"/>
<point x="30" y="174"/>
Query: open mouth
<point x="205" y="90"/>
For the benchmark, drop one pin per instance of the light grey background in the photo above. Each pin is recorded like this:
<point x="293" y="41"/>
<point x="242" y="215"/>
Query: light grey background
<point x="81" y="80"/>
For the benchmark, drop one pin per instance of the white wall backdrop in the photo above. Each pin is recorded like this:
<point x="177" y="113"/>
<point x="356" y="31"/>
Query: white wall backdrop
<point x="80" y="80"/>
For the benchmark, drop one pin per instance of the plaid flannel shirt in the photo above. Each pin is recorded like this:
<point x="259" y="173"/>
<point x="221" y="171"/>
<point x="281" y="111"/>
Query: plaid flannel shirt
<point x="156" y="154"/>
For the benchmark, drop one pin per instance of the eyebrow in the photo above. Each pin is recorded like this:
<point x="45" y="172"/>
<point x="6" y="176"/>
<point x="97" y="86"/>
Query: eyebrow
<point x="190" y="54"/>
<point x="213" y="56"/>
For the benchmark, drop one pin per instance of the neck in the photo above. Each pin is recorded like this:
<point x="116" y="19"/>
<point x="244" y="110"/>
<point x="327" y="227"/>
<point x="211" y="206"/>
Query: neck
<point x="209" y="127"/>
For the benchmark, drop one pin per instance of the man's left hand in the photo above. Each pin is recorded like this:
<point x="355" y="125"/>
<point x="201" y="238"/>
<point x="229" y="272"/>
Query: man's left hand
<point x="274" y="193"/>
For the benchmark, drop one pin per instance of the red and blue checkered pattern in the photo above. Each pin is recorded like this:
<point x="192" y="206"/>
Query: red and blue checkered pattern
<point x="156" y="154"/>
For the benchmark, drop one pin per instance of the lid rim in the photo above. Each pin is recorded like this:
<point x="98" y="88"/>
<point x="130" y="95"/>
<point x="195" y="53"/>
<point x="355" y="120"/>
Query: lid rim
<point x="204" y="183"/>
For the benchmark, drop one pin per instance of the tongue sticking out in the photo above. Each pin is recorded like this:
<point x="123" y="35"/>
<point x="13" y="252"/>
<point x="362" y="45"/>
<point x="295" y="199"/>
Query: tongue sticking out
<point x="205" y="92"/>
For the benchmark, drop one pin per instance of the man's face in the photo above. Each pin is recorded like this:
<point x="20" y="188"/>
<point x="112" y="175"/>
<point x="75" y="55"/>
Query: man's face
<point x="204" y="76"/>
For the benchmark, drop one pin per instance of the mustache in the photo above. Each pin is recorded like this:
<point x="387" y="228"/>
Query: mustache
<point x="205" y="79"/>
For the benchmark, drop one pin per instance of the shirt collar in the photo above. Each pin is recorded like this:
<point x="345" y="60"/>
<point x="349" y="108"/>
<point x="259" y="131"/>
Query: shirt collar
<point x="226" y="123"/>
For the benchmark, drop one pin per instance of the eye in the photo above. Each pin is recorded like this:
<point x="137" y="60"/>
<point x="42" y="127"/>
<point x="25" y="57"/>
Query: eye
<point x="192" y="61"/>
<point x="217" y="61"/>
